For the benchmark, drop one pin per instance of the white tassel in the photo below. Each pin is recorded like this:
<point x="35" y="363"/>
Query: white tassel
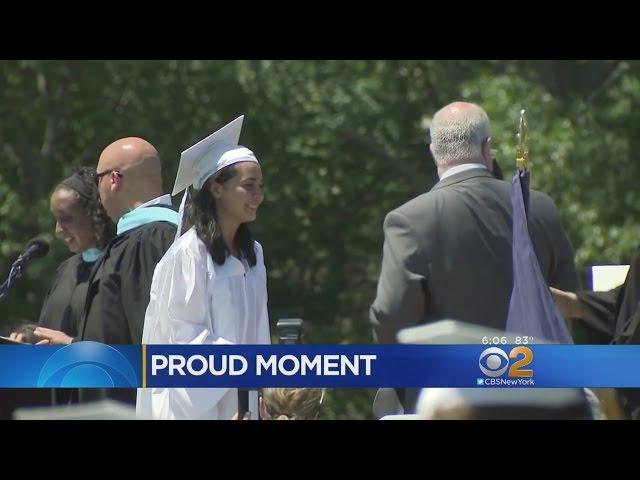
<point x="181" y="214"/>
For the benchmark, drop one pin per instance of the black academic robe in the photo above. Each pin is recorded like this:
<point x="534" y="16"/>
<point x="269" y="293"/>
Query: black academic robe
<point x="614" y="317"/>
<point x="118" y="293"/>
<point x="64" y="303"/>
<point x="63" y="306"/>
<point x="61" y="310"/>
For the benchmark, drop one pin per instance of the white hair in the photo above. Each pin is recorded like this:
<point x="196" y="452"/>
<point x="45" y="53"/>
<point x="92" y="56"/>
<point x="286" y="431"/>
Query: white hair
<point x="457" y="134"/>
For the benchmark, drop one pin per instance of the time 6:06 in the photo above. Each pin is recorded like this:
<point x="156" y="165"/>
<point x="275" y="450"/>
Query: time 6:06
<point x="494" y="340"/>
<point x="504" y="341"/>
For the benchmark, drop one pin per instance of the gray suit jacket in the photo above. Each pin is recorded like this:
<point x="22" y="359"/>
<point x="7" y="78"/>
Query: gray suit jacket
<point x="447" y="254"/>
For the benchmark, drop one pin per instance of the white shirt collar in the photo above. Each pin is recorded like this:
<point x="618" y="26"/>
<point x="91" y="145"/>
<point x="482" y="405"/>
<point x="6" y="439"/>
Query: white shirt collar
<point x="462" y="168"/>
<point x="161" y="200"/>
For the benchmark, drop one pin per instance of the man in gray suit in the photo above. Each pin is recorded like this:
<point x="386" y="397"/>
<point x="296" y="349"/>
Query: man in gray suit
<point x="447" y="253"/>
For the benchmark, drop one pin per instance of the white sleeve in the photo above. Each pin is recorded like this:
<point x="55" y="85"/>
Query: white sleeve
<point x="178" y="313"/>
<point x="186" y="297"/>
<point x="264" y="334"/>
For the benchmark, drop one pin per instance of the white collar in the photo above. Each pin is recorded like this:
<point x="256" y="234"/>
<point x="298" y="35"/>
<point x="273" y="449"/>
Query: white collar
<point x="462" y="168"/>
<point x="161" y="200"/>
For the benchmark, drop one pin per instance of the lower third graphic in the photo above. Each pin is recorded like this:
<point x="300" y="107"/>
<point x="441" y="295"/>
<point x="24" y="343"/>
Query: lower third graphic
<point x="89" y="365"/>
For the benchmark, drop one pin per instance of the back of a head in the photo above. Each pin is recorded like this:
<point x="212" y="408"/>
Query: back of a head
<point x="503" y="404"/>
<point x="457" y="132"/>
<point x="137" y="157"/>
<point x="138" y="163"/>
<point x="292" y="403"/>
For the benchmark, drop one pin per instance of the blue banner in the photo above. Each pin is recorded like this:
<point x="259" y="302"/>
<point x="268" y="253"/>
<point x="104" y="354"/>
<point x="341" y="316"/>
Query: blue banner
<point x="82" y="364"/>
<point x="92" y="365"/>
<point x="531" y="308"/>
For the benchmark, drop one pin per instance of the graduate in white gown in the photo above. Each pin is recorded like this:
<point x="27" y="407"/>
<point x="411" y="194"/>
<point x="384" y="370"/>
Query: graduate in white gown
<point x="210" y="288"/>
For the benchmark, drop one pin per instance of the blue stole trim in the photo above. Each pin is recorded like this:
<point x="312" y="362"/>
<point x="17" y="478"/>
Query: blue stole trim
<point x="90" y="255"/>
<point x="142" y="216"/>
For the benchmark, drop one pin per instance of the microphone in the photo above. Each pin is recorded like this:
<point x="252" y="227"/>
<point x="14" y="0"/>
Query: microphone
<point x="36" y="248"/>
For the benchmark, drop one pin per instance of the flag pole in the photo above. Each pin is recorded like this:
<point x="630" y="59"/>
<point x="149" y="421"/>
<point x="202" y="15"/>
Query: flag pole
<point x="522" y="158"/>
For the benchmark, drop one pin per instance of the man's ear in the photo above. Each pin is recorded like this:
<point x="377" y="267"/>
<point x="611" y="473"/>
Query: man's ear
<point x="114" y="181"/>
<point x="486" y="153"/>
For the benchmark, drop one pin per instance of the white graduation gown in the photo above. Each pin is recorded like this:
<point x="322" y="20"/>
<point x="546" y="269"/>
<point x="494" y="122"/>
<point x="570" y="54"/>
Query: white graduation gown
<point x="195" y="301"/>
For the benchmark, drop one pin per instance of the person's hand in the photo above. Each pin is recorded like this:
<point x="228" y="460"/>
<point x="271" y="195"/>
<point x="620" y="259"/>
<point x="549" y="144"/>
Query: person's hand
<point x="18" y="337"/>
<point x="567" y="303"/>
<point x="48" y="336"/>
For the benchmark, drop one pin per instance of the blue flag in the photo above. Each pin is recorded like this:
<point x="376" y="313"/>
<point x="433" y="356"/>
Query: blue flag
<point x="531" y="309"/>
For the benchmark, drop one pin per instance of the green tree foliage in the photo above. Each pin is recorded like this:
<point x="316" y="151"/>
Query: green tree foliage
<point x="341" y="143"/>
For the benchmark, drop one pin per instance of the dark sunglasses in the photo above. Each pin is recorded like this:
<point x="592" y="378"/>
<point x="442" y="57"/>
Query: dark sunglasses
<point x="98" y="176"/>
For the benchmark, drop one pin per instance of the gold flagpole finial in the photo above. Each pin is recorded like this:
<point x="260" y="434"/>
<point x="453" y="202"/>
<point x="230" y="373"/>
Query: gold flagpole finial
<point x="522" y="150"/>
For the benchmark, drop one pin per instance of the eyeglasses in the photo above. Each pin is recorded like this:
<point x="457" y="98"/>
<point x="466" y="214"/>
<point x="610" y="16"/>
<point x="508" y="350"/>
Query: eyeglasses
<point x="98" y="176"/>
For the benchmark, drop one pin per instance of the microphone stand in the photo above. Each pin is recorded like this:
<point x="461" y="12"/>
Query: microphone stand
<point x="14" y="274"/>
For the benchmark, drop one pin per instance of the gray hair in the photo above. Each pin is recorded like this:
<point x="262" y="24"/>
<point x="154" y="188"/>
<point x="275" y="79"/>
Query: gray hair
<point x="457" y="133"/>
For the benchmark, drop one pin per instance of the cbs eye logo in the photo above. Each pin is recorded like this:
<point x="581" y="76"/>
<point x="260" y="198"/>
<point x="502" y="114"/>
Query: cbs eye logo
<point x="494" y="361"/>
<point x="87" y="365"/>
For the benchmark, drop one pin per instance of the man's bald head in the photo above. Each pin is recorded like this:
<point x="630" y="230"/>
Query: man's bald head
<point x="127" y="152"/>
<point x="459" y="133"/>
<point x="134" y="175"/>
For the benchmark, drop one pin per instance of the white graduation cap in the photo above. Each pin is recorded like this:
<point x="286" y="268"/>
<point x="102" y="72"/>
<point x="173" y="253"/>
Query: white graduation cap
<point x="207" y="157"/>
<point x="210" y="155"/>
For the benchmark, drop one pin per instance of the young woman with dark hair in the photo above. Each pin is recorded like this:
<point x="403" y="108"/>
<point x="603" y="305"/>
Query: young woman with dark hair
<point x="210" y="288"/>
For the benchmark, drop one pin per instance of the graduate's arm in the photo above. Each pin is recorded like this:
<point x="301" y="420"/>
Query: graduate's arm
<point x="178" y="305"/>
<point x="400" y="300"/>
<point x="177" y="314"/>
<point x="184" y="294"/>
